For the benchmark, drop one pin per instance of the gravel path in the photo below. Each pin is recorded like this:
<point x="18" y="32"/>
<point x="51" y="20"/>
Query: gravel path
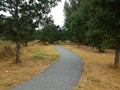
<point x="62" y="75"/>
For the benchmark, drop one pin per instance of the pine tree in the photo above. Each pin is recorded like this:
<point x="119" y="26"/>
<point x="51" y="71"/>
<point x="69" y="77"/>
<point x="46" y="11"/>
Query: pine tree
<point x="34" y="10"/>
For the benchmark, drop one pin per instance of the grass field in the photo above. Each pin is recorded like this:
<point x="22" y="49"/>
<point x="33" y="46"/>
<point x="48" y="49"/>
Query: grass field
<point x="35" y="59"/>
<point x="99" y="72"/>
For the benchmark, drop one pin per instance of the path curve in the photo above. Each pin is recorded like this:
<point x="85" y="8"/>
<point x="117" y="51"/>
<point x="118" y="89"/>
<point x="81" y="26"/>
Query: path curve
<point x="62" y="75"/>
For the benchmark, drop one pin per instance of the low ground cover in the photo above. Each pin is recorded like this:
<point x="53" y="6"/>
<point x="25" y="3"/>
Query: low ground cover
<point x="99" y="72"/>
<point x="35" y="59"/>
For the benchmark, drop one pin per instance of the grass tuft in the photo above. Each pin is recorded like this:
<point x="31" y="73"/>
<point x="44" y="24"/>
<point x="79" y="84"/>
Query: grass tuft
<point x="38" y="57"/>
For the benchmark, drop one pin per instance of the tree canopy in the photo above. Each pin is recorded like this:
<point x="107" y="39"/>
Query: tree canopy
<point x="95" y="23"/>
<point x="25" y="15"/>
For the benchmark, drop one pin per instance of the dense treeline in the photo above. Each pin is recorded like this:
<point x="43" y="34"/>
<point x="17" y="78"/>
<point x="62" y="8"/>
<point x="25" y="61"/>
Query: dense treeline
<point x="95" y="23"/>
<point x="52" y="33"/>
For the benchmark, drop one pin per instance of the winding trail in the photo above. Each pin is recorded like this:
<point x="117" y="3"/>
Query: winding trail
<point x="62" y="75"/>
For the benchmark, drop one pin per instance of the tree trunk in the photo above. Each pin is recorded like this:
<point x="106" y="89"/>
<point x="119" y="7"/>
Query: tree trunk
<point x="101" y="49"/>
<point x="18" y="39"/>
<point x="18" y="51"/>
<point x="117" y="52"/>
<point x="79" y="43"/>
<point x="26" y="44"/>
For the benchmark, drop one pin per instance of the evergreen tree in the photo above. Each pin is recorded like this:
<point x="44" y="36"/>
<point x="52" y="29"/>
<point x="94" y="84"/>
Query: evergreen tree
<point x="97" y="22"/>
<point x="107" y="20"/>
<point x="50" y="33"/>
<point x="34" y="10"/>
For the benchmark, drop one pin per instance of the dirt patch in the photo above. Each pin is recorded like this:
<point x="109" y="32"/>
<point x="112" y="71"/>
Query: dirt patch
<point x="99" y="72"/>
<point x="12" y="74"/>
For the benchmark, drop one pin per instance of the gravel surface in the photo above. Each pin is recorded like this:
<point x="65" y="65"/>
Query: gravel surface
<point x="62" y="75"/>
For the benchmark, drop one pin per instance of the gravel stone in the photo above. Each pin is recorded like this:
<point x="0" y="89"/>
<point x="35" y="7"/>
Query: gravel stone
<point x="61" y="75"/>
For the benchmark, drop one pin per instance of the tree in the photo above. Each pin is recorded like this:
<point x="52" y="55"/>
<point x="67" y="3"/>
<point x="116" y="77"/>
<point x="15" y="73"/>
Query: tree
<point x="107" y="20"/>
<point x="27" y="32"/>
<point x="2" y="26"/>
<point x="68" y="10"/>
<point x="64" y="34"/>
<point x="50" y="33"/>
<point x="34" y="10"/>
<point x="98" y="39"/>
<point x="96" y="22"/>
<point x="76" y="20"/>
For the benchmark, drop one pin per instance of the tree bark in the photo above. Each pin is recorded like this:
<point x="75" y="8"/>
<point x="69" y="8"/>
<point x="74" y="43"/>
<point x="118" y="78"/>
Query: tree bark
<point x="101" y="49"/>
<point x="26" y="44"/>
<point x="18" y="38"/>
<point x="117" y="52"/>
<point x="79" y="42"/>
<point x="18" y="51"/>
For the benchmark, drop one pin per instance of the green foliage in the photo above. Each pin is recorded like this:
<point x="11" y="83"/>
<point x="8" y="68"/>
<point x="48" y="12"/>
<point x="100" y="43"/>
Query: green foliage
<point x="2" y="26"/>
<point x="50" y="33"/>
<point x="76" y="20"/>
<point x="106" y="18"/>
<point x="98" y="39"/>
<point x="21" y="19"/>
<point x="93" y="22"/>
<point x="25" y="16"/>
<point x="38" y="57"/>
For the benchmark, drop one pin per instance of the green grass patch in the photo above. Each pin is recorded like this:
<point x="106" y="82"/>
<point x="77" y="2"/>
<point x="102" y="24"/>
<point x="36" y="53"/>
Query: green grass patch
<point x="38" y="57"/>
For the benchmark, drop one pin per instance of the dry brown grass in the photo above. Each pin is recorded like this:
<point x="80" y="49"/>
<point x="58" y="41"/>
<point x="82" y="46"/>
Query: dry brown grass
<point x="35" y="59"/>
<point x="98" y="73"/>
